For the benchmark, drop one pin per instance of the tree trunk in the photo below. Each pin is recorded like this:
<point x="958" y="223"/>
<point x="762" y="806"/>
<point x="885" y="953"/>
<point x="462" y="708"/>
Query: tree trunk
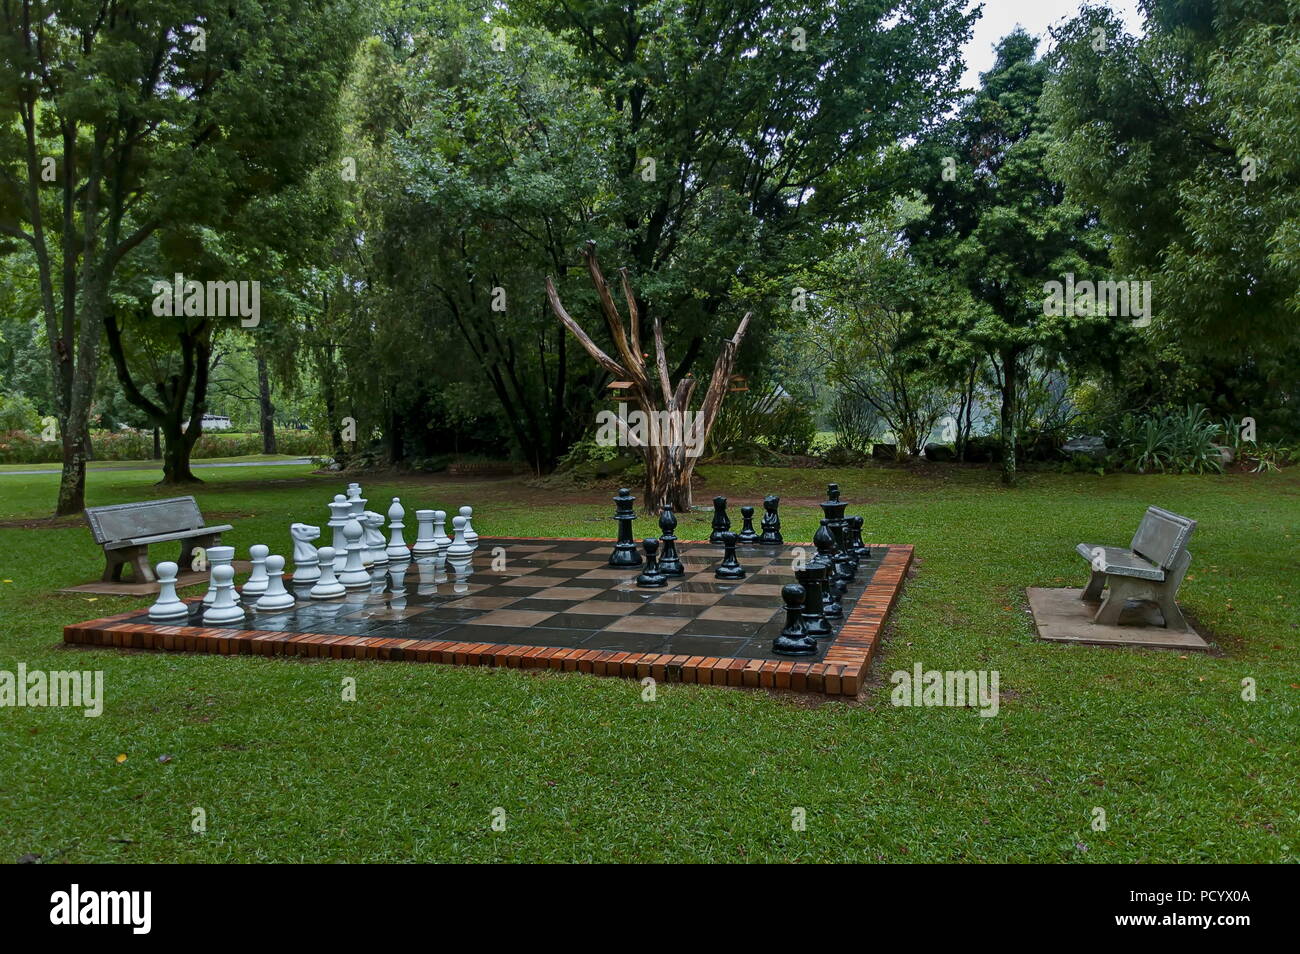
<point x="265" y="407"/>
<point x="176" y="457"/>
<point x="671" y="433"/>
<point x="1010" y="385"/>
<point x="72" y="481"/>
<point x="157" y="443"/>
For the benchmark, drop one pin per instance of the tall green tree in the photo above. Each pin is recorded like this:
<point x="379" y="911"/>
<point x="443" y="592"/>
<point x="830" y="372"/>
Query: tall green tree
<point x="1002" y="225"/>
<point x="120" y="124"/>
<point x="1184" y="139"/>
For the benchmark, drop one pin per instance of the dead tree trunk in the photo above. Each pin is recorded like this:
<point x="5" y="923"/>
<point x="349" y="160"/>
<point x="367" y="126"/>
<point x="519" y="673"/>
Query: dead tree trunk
<point x="672" y="439"/>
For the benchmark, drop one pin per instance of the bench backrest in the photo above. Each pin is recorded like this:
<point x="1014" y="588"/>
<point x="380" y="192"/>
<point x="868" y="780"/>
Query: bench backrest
<point x="129" y="520"/>
<point x="1162" y="536"/>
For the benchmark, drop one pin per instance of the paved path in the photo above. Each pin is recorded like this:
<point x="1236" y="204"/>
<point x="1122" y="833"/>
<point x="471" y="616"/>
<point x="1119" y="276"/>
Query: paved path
<point x="298" y="461"/>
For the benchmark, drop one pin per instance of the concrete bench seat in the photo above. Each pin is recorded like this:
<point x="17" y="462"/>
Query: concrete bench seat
<point x="1152" y="568"/>
<point x="125" y="532"/>
<point x="1116" y="561"/>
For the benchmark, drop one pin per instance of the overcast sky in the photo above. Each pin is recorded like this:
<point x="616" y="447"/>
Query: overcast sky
<point x="1001" y="17"/>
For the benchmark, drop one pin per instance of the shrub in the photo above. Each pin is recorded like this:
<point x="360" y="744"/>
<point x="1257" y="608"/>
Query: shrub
<point x="767" y="417"/>
<point x="1180" y="442"/>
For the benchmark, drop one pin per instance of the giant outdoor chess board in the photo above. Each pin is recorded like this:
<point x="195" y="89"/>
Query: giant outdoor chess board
<point x="557" y="604"/>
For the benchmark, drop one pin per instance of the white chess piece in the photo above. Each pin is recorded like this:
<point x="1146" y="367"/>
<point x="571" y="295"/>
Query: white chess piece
<point x="440" y="538"/>
<point x="306" y="562"/>
<point x="255" y="585"/>
<point x="374" y="552"/>
<point x="169" y="606"/>
<point x="397" y="549"/>
<point x="224" y="610"/>
<point x="275" y="596"/>
<point x="340" y="513"/>
<point x="354" y="575"/>
<point x="327" y="587"/>
<point x="424" y="544"/>
<point x="428" y="585"/>
<point x="356" y="501"/>
<point x="471" y="535"/>
<point x="217" y="556"/>
<point x="460" y="552"/>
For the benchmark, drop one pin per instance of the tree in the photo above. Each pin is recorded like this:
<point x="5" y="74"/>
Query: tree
<point x="120" y="127"/>
<point x="667" y="446"/>
<point x="1002" y="225"/>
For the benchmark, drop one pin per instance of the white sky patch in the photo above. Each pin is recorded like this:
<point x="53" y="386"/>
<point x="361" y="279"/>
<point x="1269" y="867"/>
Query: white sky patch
<point x="1036" y="16"/>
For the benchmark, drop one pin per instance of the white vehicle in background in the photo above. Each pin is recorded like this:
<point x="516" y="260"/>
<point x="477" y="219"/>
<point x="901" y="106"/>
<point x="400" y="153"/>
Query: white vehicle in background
<point x="212" y="422"/>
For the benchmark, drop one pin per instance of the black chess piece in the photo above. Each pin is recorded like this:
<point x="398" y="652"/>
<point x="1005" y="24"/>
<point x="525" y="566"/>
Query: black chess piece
<point x="814" y="623"/>
<point x="855" y="538"/>
<point x="729" y="568"/>
<point x="651" y="576"/>
<point x="670" y="564"/>
<point x="831" y="607"/>
<point x="747" y="534"/>
<point x="794" y="639"/>
<point x="625" y="551"/>
<point x="824" y="541"/>
<point x="771" y="521"/>
<point x="721" y="522"/>
<point x="843" y="554"/>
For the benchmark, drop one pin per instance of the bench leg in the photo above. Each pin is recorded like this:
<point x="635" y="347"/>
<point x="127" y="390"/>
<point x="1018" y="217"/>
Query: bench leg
<point x="1168" y="593"/>
<point x="112" y="568"/>
<point x="1096" y="583"/>
<point x="189" y="546"/>
<point x="1122" y="589"/>
<point x="137" y="558"/>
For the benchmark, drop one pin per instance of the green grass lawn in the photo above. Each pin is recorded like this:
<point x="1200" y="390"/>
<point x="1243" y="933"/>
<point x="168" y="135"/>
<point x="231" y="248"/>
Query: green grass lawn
<point x="1184" y="769"/>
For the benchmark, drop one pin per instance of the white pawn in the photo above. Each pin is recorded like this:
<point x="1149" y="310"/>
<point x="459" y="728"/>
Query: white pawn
<point x="340" y="512"/>
<point x="257" y="580"/>
<point x="327" y="587"/>
<point x="275" y="596"/>
<point x="471" y="535"/>
<point x="169" y="607"/>
<point x="397" y="549"/>
<point x="440" y="538"/>
<point x="354" y="575"/>
<point x="218" y="556"/>
<point x="460" y="552"/>
<point x="372" y="525"/>
<point x="306" y="561"/>
<point x="224" y="610"/>
<point x="424" y="544"/>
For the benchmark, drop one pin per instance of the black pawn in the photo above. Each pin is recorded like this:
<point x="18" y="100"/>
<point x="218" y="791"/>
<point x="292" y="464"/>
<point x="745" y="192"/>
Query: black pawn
<point x="721" y="522"/>
<point x="729" y="568"/>
<point x="814" y="623"/>
<point x="651" y="576"/>
<point x="794" y="639"/>
<point x="831" y="607"/>
<point x="747" y="534"/>
<point x="670" y="564"/>
<point x="771" y="521"/>
<point x="625" y="551"/>
<point x="855" y="538"/>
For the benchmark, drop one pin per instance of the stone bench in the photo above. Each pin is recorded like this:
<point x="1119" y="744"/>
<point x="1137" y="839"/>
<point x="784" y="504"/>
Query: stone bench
<point x="126" y="530"/>
<point x="1152" y="568"/>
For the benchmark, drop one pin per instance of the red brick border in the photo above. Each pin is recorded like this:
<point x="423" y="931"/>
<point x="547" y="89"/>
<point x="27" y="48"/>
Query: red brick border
<point x="840" y="673"/>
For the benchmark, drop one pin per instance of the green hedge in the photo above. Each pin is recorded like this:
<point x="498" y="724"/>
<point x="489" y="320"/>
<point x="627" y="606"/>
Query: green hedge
<point x="20" y="447"/>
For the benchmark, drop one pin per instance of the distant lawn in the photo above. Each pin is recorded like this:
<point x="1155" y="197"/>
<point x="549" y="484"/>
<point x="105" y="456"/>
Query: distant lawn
<point x="1184" y="769"/>
<point x="152" y="464"/>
